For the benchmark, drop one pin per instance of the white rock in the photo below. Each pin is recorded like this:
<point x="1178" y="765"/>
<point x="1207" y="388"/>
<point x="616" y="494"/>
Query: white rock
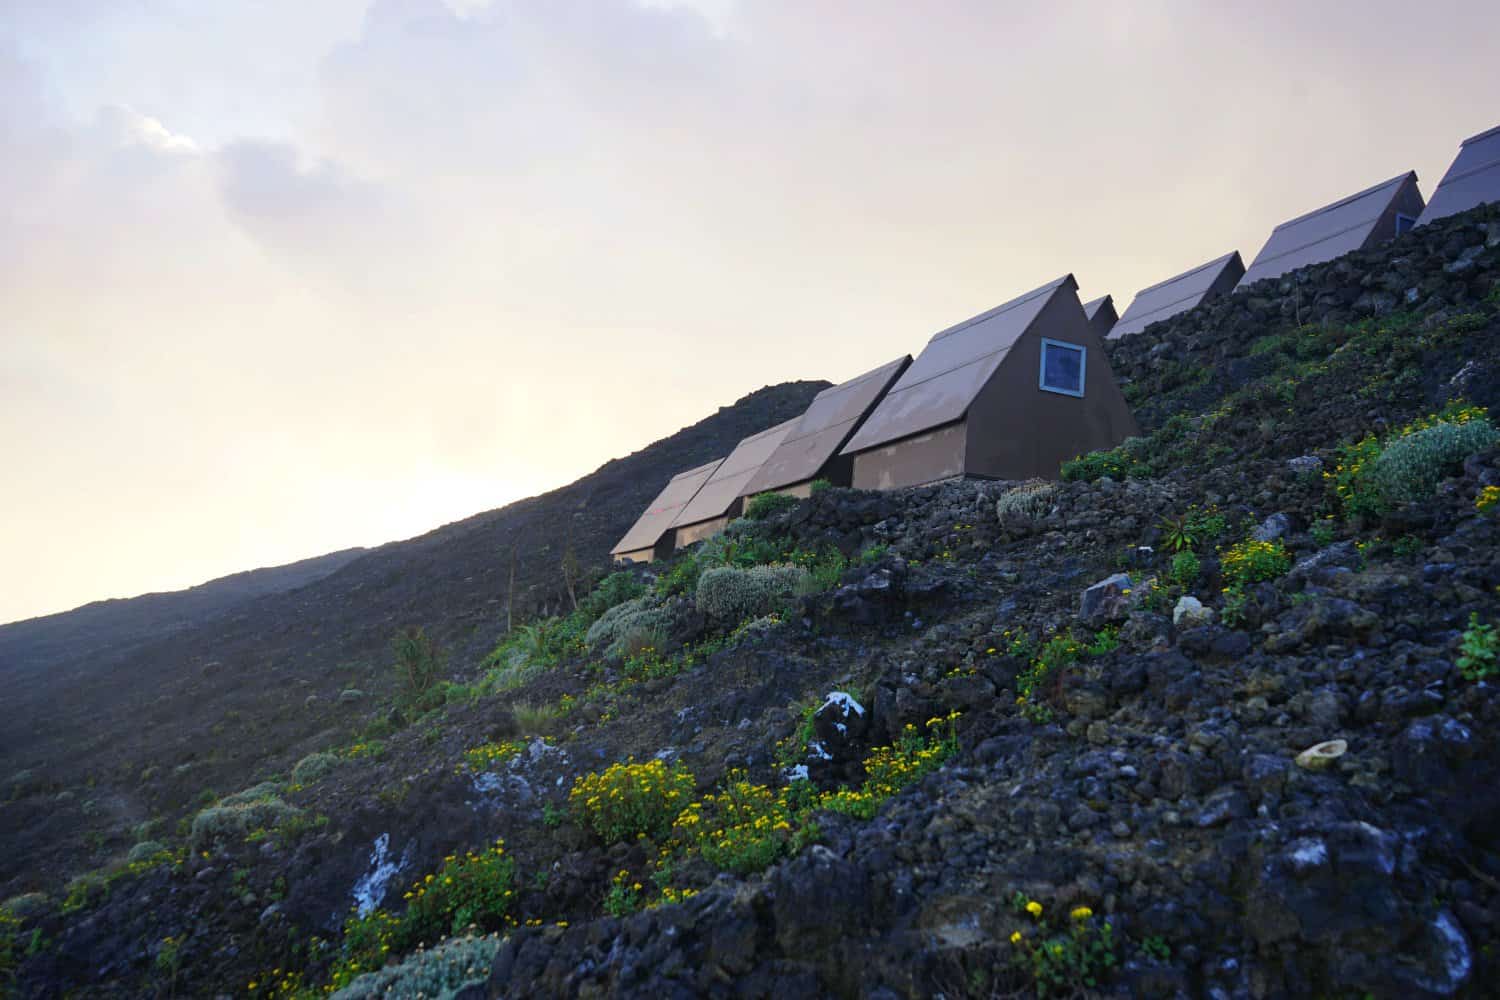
<point x="1190" y="612"/>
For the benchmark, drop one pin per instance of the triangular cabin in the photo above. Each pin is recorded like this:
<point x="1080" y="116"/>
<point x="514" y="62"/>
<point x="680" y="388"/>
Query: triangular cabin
<point x="651" y="537"/>
<point x="1102" y="315"/>
<point x="722" y="498"/>
<point x="1359" y="221"/>
<point x="1473" y="179"/>
<point x="1166" y="299"/>
<point x="810" y="451"/>
<point x="1010" y="394"/>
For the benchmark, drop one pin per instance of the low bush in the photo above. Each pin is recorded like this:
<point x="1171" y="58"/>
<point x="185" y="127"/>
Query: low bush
<point x="255" y="793"/>
<point x="233" y="821"/>
<point x="768" y="505"/>
<point x="629" y="799"/>
<point x="681" y="577"/>
<point x="418" y="662"/>
<point x="888" y="769"/>
<point x="312" y="767"/>
<point x="1185" y="568"/>
<point x="1478" y="651"/>
<point x="747" y="827"/>
<point x="1121" y="462"/>
<point x="434" y="972"/>
<point x="1410" y="467"/>
<point x="612" y="590"/>
<point x="144" y="850"/>
<point x="818" y="486"/>
<point x="1253" y="561"/>
<point x="641" y="614"/>
<point x="1025" y="504"/>
<point x="728" y="594"/>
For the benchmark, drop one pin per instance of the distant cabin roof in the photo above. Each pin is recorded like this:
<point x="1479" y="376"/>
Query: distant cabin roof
<point x="1474" y="177"/>
<point x="647" y="531"/>
<point x="1329" y="232"/>
<point x="1101" y="314"/>
<point x="727" y="483"/>
<point x="952" y="369"/>
<point x="822" y="430"/>
<point x="1168" y="298"/>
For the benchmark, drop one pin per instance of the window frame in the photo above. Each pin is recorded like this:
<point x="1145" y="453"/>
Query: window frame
<point x="1083" y="368"/>
<point x="1410" y="220"/>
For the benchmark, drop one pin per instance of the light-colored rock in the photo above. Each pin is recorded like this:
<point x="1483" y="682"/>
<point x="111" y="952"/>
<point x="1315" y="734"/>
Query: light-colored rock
<point x="1190" y="612"/>
<point x="1321" y="755"/>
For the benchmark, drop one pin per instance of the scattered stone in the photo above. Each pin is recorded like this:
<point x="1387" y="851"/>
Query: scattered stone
<point x="1190" y="613"/>
<point x="1319" y="756"/>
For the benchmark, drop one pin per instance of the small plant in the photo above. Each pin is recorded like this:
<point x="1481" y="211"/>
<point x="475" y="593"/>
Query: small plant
<point x="1254" y="561"/>
<point x="1322" y="532"/>
<point x="1057" y="653"/>
<point x="1155" y="947"/>
<point x="871" y="554"/>
<point x="1192" y="529"/>
<point x="1487" y="498"/>
<point x="1071" y="959"/>
<point x="1185" y="568"/>
<point x="1106" y="640"/>
<point x="889" y="769"/>
<point x="1119" y="463"/>
<point x="1025" y="504"/>
<point x="627" y="800"/>
<point x="746" y="827"/>
<point x="418" y="661"/>
<point x="1236" y="602"/>
<point x="1410" y="467"/>
<point x="1478" y="650"/>
<point x="624" y="896"/>
<point x="768" y="505"/>
<point x="818" y="486"/>
<point x="681" y="578"/>
<point x="1406" y="546"/>
<point x="487" y="755"/>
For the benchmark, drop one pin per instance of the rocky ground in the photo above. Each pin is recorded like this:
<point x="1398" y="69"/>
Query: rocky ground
<point x="1124" y="806"/>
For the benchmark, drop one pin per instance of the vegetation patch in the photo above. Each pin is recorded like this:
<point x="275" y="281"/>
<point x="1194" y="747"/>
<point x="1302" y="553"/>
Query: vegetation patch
<point x="628" y="800"/>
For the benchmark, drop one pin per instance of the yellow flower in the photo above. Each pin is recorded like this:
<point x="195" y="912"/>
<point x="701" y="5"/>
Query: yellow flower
<point x="1034" y="908"/>
<point x="1015" y="937"/>
<point x="1082" y="913"/>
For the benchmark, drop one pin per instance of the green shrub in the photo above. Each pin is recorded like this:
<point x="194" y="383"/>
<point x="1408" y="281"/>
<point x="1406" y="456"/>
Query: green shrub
<point x="768" y="505"/>
<point x="729" y="594"/>
<point x="436" y="973"/>
<point x="681" y="577"/>
<point x="145" y="849"/>
<point x="1410" y="467"/>
<point x="83" y="891"/>
<point x="233" y="821"/>
<point x="418" y="661"/>
<point x="1066" y="961"/>
<point x="1185" y="568"/>
<point x="610" y="591"/>
<point x="1025" y="504"/>
<point x="818" y="486"/>
<point x="255" y="793"/>
<point x="1478" y="651"/>
<point x="629" y="799"/>
<point x="642" y="614"/>
<point x="1252" y="562"/>
<point x="1117" y="463"/>
<point x="746" y="827"/>
<point x="312" y="767"/>
<point x="889" y="769"/>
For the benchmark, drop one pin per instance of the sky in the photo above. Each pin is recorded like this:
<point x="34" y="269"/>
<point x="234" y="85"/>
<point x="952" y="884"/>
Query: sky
<point x="278" y="278"/>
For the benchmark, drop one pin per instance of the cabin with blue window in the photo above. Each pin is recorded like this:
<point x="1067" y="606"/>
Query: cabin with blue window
<point x="1009" y="394"/>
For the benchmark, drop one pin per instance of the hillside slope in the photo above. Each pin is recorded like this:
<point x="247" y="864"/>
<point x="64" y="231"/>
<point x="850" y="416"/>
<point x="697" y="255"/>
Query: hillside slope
<point x="968" y="740"/>
<point x="206" y="707"/>
<point x="101" y="633"/>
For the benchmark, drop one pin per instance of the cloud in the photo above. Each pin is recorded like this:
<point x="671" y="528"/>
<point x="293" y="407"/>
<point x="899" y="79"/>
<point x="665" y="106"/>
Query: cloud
<point x="129" y="127"/>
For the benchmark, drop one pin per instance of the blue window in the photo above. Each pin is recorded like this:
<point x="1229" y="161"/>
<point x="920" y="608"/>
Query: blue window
<point x="1062" y="367"/>
<point x="1403" y="223"/>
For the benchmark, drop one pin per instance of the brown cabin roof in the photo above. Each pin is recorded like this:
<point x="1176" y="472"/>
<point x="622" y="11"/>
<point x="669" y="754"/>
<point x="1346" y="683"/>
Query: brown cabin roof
<point x="951" y="370"/>
<point x="1328" y="232"/>
<point x="728" y="481"/>
<point x="1474" y="177"/>
<point x="832" y="418"/>
<point x="1168" y="298"/>
<point x="662" y="511"/>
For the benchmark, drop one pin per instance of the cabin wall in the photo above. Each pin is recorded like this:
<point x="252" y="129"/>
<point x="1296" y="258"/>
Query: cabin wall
<point x="1407" y="202"/>
<point x="913" y="461"/>
<point x="1017" y="430"/>
<point x="690" y="533"/>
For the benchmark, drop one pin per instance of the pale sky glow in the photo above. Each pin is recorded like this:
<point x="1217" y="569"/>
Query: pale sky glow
<point x="278" y="277"/>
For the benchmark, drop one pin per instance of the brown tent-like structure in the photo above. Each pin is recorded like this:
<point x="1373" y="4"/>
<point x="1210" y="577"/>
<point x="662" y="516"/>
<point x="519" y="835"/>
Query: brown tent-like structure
<point x="810" y="450"/>
<point x="721" y="498"/>
<point x="1361" y="220"/>
<point x="1102" y="315"/>
<point x="1168" y="298"/>
<point x="651" y="537"/>
<point x="1473" y="179"/>
<point x="1010" y="394"/>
